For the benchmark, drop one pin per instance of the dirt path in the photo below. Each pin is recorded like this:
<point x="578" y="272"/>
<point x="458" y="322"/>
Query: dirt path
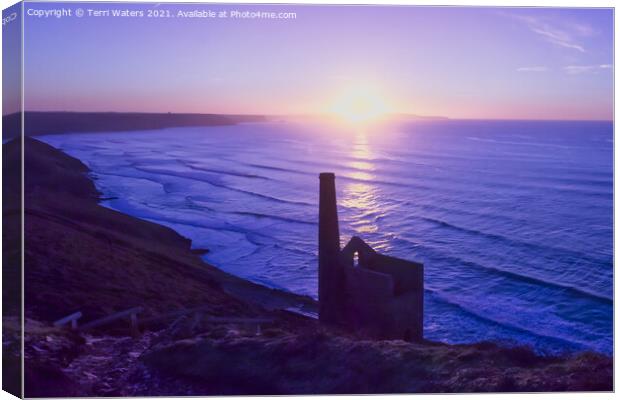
<point x="107" y="364"/>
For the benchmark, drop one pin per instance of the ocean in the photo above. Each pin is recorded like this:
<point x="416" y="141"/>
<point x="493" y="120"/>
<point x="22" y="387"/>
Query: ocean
<point x="513" y="220"/>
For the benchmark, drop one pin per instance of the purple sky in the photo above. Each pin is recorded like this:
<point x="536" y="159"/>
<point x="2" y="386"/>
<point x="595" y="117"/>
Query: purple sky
<point x="458" y="62"/>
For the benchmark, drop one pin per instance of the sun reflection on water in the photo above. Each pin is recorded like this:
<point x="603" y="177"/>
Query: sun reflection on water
<point x="362" y="165"/>
<point x="361" y="196"/>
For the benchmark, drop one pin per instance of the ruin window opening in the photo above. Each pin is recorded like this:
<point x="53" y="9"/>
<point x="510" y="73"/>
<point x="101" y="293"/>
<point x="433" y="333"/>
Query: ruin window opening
<point x="356" y="259"/>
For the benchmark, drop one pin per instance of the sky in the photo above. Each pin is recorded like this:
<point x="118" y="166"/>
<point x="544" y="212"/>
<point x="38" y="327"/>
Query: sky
<point x="11" y="60"/>
<point x="486" y="63"/>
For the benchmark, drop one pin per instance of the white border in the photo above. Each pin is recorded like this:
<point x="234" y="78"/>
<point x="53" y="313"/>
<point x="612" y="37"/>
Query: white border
<point x="484" y="3"/>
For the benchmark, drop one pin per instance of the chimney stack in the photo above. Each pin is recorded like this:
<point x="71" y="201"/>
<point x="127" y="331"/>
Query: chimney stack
<point x="331" y="274"/>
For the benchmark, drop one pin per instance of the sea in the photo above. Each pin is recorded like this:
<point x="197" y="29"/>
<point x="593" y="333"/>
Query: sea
<point x="513" y="220"/>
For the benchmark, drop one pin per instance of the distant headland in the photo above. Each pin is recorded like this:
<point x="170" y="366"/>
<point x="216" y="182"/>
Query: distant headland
<point x="57" y="122"/>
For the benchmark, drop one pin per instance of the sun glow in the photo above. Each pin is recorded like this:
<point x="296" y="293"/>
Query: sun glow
<point x="360" y="105"/>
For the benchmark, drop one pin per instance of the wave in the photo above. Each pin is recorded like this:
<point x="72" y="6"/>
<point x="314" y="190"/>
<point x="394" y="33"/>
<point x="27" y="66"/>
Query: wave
<point x="574" y="291"/>
<point x="486" y="319"/>
<point x="273" y="168"/>
<point x="145" y="178"/>
<point x="190" y="202"/>
<point x="226" y="227"/>
<point x="537" y="144"/>
<point x="275" y="217"/>
<point x="606" y="182"/>
<point x="515" y="243"/>
<point x="602" y="189"/>
<point x="224" y="172"/>
<point x="279" y="246"/>
<point x="222" y="186"/>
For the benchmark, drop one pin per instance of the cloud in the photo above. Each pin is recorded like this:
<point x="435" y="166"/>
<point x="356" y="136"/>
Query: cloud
<point x="585" y="69"/>
<point x="558" y="38"/>
<point x="583" y="29"/>
<point x="560" y="33"/>
<point x="533" y="69"/>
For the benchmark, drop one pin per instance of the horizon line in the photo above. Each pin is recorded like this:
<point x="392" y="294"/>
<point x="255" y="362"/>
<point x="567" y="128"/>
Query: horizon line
<point x="394" y="114"/>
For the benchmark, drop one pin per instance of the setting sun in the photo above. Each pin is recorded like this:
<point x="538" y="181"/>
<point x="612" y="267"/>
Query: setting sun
<point x="359" y="105"/>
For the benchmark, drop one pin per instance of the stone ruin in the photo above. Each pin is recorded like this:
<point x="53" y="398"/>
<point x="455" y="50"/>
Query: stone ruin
<point x="378" y="296"/>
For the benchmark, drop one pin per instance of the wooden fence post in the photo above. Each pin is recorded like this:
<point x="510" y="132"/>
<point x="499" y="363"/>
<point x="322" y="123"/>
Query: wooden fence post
<point x="135" y="329"/>
<point x="73" y="318"/>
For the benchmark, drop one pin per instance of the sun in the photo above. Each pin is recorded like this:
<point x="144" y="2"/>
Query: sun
<point x="359" y="105"/>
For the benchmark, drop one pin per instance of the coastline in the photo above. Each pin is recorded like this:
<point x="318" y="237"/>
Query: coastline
<point x="50" y="204"/>
<point x="66" y="122"/>
<point x="104" y="261"/>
